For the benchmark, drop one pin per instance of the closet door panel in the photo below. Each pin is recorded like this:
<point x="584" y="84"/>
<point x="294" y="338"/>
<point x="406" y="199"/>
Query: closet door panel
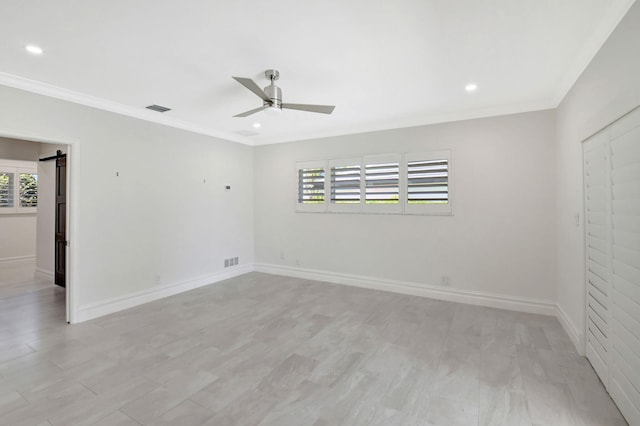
<point x="598" y="254"/>
<point x="625" y="256"/>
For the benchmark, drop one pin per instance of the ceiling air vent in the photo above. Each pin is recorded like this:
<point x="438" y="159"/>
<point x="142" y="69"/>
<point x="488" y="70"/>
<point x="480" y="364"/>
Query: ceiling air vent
<point x="247" y="133"/>
<point x="158" y="108"/>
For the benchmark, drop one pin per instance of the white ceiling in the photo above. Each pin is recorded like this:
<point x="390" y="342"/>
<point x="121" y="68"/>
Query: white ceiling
<point x="384" y="64"/>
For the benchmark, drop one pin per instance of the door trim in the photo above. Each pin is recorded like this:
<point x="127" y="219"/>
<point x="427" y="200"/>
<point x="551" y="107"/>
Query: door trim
<point x="73" y="248"/>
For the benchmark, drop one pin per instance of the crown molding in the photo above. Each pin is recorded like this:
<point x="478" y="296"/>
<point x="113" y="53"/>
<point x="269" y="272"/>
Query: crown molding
<point x="52" y="91"/>
<point x="143" y="114"/>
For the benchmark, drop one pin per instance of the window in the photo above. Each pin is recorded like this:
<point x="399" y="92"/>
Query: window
<point x="413" y="183"/>
<point x="18" y="187"/>
<point x="28" y="190"/>
<point x="382" y="183"/>
<point x="346" y="185"/>
<point x="311" y="186"/>
<point x="428" y="188"/>
<point x="7" y="189"/>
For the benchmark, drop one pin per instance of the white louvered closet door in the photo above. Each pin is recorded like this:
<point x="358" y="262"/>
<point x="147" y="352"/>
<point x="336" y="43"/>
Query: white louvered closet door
<point x="597" y="197"/>
<point x="625" y="244"/>
<point x="615" y="354"/>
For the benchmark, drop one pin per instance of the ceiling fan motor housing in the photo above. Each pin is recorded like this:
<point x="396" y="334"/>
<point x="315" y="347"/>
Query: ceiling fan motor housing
<point x="275" y="94"/>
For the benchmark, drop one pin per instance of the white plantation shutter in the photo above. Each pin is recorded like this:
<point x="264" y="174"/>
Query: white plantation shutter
<point x="612" y="204"/>
<point x="7" y="189"/>
<point x="597" y="251"/>
<point x="28" y="189"/>
<point x="311" y="186"/>
<point x="415" y="183"/>
<point x="382" y="183"/>
<point x="311" y="180"/>
<point x="346" y="185"/>
<point x="428" y="182"/>
<point x="625" y="268"/>
<point x="18" y="186"/>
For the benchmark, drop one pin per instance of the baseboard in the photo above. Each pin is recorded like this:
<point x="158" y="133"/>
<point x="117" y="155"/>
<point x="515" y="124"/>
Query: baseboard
<point x="576" y="336"/>
<point x="471" y="297"/>
<point x="16" y="259"/>
<point x="44" y="274"/>
<point x="116" y="304"/>
<point x="19" y="264"/>
<point x="512" y="303"/>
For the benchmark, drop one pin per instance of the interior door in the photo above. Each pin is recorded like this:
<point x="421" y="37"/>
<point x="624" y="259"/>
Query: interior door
<point x="60" y="260"/>
<point x="612" y="209"/>
<point x="625" y="265"/>
<point x="596" y="193"/>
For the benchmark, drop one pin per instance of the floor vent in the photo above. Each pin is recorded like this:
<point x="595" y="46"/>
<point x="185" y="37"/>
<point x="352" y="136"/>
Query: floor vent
<point x="158" y="108"/>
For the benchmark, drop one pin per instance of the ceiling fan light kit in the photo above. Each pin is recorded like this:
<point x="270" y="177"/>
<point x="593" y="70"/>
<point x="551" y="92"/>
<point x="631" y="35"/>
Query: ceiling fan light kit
<point x="272" y="97"/>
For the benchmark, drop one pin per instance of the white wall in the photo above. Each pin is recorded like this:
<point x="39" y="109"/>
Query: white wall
<point x="13" y="149"/>
<point x="608" y="88"/>
<point x="157" y="216"/>
<point x="17" y="231"/>
<point x="501" y="238"/>
<point x="18" y="236"/>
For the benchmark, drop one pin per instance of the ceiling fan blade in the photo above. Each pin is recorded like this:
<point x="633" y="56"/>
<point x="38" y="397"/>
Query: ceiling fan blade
<point x="251" y="85"/>
<point x="253" y="111"/>
<point x="323" y="109"/>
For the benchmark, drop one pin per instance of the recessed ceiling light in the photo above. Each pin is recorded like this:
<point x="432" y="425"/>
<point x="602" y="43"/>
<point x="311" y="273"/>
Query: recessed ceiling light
<point x="256" y="125"/>
<point x="33" y="49"/>
<point x="471" y="87"/>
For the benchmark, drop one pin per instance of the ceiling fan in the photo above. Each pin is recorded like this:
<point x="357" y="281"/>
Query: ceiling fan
<point x="272" y="97"/>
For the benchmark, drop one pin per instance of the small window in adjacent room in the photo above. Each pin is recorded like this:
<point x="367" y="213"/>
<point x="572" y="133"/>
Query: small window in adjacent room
<point x="428" y="183"/>
<point x="311" y="186"/>
<point x="7" y="189"/>
<point x="346" y="185"/>
<point x="18" y="187"/>
<point x="382" y="183"/>
<point x="28" y="190"/>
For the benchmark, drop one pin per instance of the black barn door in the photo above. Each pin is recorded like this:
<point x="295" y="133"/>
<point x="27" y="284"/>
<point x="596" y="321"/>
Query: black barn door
<point x="60" y="259"/>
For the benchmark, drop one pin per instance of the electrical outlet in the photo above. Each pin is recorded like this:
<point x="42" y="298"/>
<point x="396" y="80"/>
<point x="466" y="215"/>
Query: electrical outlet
<point x="444" y="280"/>
<point x="226" y="263"/>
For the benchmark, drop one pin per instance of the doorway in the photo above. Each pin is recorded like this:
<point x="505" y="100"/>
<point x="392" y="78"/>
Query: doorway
<point x="51" y="257"/>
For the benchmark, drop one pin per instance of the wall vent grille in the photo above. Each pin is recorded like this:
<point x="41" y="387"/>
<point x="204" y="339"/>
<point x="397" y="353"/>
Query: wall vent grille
<point x="158" y="108"/>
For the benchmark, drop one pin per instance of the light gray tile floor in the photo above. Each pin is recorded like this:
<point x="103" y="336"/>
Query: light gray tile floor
<point x="268" y="350"/>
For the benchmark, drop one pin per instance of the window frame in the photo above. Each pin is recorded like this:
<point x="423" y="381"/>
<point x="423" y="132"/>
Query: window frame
<point x="403" y="207"/>
<point x="17" y="168"/>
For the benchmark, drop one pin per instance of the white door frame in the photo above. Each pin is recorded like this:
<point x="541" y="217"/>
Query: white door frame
<point x="72" y="250"/>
